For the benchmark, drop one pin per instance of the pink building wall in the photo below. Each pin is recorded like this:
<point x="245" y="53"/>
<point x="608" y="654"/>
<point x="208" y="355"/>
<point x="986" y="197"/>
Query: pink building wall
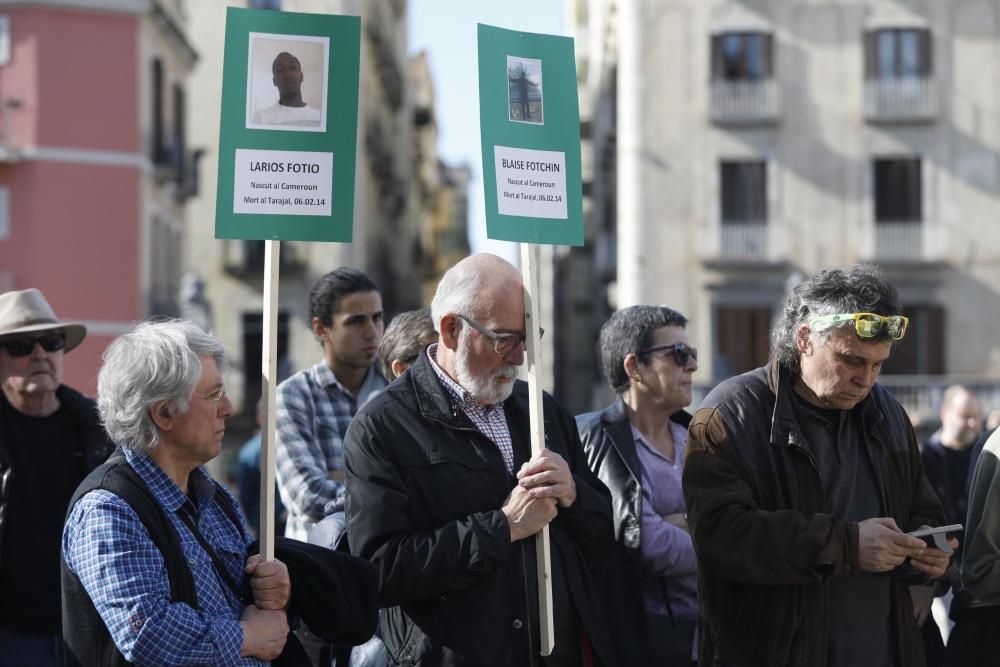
<point x="76" y="223"/>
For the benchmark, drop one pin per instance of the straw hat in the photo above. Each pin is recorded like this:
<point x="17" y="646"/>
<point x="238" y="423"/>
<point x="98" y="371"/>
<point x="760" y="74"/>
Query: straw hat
<point x="27" y="311"/>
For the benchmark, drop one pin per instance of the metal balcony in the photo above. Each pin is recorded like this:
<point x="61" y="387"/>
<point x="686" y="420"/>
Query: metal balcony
<point x="745" y="102"/>
<point x="900" y="99"/>
<point x="742" y="243"/>
<point x="903" y="241"/>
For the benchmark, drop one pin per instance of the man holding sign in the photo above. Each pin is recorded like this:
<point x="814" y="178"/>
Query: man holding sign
<point x="442" y="491"/>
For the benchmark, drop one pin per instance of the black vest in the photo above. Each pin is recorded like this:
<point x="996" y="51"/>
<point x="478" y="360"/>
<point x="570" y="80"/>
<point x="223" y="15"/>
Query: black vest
<point x="88" y="642"/>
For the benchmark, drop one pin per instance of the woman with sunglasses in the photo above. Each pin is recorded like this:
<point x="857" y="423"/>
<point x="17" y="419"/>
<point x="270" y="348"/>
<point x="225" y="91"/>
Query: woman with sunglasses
<point x="636" y="446"/>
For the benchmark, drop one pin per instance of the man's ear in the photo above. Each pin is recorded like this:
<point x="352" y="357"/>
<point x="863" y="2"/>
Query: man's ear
<point x="802" y="342"/>
<point x="319" y="330"/>
<point x="398" y="367"/>
<point x="630" y="364"/>
<point x="162" y="415"/>
<point x="450" y="327"/>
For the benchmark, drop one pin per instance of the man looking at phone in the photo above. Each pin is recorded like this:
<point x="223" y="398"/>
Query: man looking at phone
<point x="802" y="478"/>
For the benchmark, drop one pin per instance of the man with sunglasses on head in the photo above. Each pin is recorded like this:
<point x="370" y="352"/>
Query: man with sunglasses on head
<point x="50" y="438"/>
<point x="802" y="479"/>
<point x="443" y="494"/>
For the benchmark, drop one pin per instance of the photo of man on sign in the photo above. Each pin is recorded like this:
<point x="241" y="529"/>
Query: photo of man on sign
<point x="524" y="90"/>
<point x="287" y="83"/>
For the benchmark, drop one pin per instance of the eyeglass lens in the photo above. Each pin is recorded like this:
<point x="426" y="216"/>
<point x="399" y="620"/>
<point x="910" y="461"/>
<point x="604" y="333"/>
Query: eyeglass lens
<point x="22" y="347"/>
<point x="683" y="353"/>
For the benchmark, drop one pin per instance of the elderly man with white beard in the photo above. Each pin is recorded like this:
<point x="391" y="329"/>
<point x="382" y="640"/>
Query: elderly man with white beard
<point x="442" y="492"/>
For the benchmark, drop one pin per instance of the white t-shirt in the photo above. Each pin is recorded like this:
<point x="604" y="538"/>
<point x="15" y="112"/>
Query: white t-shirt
<point x="277" y="114"/>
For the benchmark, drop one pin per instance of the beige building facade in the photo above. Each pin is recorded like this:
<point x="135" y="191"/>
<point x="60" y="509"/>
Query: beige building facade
<point x="734" y="147"/>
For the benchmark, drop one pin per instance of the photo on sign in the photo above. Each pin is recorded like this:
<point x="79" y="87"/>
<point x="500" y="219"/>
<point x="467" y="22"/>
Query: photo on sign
<point x="287" y="82"/>
<point x="524" y="90"/>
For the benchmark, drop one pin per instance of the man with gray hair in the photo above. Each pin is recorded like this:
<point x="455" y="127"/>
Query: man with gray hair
<point x="443" y="494"/>
<point x="801" y="480"/>
<point x="154" y="550"/>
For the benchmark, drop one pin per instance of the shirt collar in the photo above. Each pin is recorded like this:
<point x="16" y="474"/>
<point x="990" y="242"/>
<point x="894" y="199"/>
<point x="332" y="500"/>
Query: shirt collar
<point x="680" y="441"/>
<point x="164" y="489"/>
<point x="323" y="376"/>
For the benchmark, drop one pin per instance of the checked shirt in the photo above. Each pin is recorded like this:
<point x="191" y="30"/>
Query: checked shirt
<point x="106" y="545"/>
<point x="491" y="420"/>
<point x="313" y="411"/>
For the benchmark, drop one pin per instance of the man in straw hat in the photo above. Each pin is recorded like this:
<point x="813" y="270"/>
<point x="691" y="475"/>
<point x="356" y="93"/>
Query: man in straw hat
<point x="50" y="438"/>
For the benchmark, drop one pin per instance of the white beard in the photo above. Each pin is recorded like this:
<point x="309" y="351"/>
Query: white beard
<point x="487" y="391"/>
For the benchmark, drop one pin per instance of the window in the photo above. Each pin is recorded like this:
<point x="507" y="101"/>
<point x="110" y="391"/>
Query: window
<point x="179" y="140"/>
<point x="253" y="346"/>
<point x="158" y="145"/>
<point x="898" y="190"/>
<point x="742" y="56"/>
<point x="743" y="191"/>
<point x="4" y="40"/>
<point x="921" y="352"/>
<point x="742" y="339"/>
<point x="4" y="212"/>
<point x="898" y="54"/>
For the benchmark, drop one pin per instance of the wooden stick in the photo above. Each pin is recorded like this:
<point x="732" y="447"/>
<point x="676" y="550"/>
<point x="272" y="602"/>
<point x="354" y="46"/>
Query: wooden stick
<point x="269" y="370"/>
<point x="543" y="547"/>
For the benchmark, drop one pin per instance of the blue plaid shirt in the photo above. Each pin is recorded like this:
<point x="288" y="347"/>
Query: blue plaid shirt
<point x="106" y="545"/>
<point x="313" y="411"/>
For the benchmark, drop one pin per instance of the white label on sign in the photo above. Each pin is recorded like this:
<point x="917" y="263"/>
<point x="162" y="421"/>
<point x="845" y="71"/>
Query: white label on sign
<point x="530" y="183"/>
<point x="282" y="182"/>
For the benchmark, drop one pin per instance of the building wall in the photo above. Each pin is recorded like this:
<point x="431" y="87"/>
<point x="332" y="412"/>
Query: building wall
<point x="76" y="173"/>
<point x="818" y="146"/>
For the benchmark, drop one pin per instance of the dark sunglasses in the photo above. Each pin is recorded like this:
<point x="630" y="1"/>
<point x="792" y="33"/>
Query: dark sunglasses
<point x="681" y="352"/>
<point x="22" y="347"/>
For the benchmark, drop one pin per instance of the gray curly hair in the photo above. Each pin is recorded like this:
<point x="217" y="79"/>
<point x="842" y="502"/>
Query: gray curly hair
<point x="156" y="361"/>
<point x="854" y="289"/>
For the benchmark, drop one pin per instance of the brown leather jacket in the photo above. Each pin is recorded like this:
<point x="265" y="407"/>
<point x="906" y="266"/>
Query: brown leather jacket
<point x="766" y="550"/>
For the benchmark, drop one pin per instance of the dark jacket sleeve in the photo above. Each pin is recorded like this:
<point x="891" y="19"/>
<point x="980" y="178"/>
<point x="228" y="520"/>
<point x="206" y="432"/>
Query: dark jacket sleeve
<point x="334" y="593"/>
<point x="735" y="538"/>
<point x="589" y="518"/>
<point x="925" y="506"/>
<point x="412" y="564"/>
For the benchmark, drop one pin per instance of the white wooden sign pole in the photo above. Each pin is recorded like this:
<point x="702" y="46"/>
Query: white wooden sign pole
<point x="269" y="369"/>
<point x="543" y="547"/>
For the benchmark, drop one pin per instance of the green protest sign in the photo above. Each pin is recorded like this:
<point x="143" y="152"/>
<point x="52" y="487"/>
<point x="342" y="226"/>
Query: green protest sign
<point x="530" y="127"/>
<point x="288" y="133"/>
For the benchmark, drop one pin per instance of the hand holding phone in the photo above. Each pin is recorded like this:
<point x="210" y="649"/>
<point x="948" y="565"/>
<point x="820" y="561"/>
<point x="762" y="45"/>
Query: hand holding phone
<point x="938" y="537"/>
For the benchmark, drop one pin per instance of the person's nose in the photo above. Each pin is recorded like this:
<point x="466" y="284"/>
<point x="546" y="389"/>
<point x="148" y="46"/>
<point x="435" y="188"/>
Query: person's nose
<point x="38" y="352"/>
<point x="225" y="407"/>
<point x="516" y="355"/>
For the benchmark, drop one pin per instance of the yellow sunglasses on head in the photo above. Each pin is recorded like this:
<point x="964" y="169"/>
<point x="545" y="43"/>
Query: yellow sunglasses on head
<point x="868" y="325"/>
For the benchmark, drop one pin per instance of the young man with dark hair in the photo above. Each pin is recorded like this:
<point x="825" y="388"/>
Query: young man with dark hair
<point x="315" y="406"/>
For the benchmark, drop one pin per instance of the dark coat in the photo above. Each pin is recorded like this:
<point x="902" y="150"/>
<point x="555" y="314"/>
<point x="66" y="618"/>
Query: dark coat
<point x="766" y="548"/>
<point x="424" y="488"/>
<point x="96" y="447"/>
<point x="610" y="448"/>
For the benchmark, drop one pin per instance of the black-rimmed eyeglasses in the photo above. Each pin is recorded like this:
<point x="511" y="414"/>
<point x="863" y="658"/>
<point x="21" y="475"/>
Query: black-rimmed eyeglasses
<point x="503" y="343"/>
<point x="682" y="353"/>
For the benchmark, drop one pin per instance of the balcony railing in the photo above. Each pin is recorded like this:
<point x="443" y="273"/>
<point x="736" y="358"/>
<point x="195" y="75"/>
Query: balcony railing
<point x="743" y="242"/>
<point x="900" y="99"/>
<point x="904" y="241"/>
<point x="745" y="102"/>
